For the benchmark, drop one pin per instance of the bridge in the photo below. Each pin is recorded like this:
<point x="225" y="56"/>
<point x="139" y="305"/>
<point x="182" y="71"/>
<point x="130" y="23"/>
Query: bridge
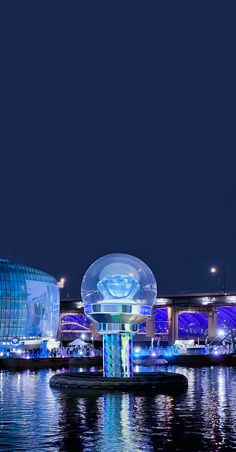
<point x="177" y="304"/>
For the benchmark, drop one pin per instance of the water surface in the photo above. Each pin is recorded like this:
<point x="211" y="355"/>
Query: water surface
<point x="35" y="417"/>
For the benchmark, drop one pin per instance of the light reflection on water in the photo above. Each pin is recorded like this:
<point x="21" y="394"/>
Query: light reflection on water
<point x="34" y="416"/>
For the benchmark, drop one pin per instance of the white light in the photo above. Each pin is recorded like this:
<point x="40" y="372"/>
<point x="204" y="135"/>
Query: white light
<point x="221" y="333"/>
<point x="153" y="354"/>
<point x="161" y="301"/>
<point x="205" y="301"/>
<point x="137" y="349"/>
<point x="231" y="299"/>
<point x="61" y="283"/>
<point x="213" y="269"/>
<point x="83" y="336"/>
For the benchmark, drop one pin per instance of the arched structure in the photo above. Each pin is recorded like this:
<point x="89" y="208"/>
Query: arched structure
<point x="216" y="306"/>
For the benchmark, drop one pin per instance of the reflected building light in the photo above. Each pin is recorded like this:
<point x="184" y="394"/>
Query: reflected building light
<point x="127" y="425"/>
<point x="221" y="400"/>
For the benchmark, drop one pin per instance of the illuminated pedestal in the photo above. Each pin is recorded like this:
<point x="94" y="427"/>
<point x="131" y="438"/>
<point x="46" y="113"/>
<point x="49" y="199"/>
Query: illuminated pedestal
<point x="117" y="349"/>
<point x="118" y="355"/>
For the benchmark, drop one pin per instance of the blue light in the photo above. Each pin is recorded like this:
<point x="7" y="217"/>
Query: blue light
<point x="118" y="286"/>
<point x="137" y="351"/>
<point x="88" y="309"/>
<point x="15" y="340"/>
<point x="145" y="310"/>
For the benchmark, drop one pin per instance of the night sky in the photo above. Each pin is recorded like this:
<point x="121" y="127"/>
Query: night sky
<point x="118" y="134"/>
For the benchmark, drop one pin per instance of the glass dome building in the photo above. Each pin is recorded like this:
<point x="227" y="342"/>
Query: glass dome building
<point x="29" y="303"/>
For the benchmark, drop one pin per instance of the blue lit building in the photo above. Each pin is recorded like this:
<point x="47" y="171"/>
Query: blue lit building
<point x="29" y="303"/>
<point x="196" y="313"/>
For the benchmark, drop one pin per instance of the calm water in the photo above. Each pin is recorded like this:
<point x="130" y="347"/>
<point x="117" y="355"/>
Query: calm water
<point x="35" y="417"/>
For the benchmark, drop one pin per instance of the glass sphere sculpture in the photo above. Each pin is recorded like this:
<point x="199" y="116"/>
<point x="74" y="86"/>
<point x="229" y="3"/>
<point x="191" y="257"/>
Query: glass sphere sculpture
<point x="118" y="292"/>
<point x="118" y="288"/>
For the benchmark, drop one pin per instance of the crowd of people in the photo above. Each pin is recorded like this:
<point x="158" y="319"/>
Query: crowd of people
<point x="219" y="349"/>
<point x="159" y="351"/>
<point x="91" y="351"/>
<point x="61" y="352"/>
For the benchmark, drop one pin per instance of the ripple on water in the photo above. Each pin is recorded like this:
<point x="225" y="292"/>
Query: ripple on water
<point x="34" y="416"/>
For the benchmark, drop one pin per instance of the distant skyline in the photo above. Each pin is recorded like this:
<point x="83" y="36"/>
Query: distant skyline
<point x="117" y="134"/>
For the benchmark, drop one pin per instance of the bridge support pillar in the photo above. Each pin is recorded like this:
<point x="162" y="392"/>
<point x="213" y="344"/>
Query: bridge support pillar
<point x="59" y="328"/>
<point x="212" y="323"/>
<point x="150" y="326"/>
<point x="173" y="327"/>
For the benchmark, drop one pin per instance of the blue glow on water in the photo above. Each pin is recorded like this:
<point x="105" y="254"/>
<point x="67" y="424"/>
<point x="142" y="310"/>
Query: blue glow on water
<point x="35" y="417"/>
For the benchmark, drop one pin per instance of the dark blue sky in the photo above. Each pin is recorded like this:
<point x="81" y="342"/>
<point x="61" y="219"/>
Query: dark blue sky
<point x="117" y="134"/>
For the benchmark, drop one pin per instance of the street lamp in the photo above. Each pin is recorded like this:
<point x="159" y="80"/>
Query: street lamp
<point x="61" y="283"/>
<point x="215" y="271"/>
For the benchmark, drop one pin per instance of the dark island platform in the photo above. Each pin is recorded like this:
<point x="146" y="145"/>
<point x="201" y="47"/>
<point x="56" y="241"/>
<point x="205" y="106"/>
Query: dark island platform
<point x="158" y="382"/>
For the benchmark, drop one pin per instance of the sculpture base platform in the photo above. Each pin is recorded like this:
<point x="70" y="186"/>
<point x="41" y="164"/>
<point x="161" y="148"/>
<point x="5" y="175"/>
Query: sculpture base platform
<point x="158" y="382"/>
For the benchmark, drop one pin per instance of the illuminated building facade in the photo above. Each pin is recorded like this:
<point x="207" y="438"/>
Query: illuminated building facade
<point x="197" y="313"/>
<point x="29" y="303"/>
